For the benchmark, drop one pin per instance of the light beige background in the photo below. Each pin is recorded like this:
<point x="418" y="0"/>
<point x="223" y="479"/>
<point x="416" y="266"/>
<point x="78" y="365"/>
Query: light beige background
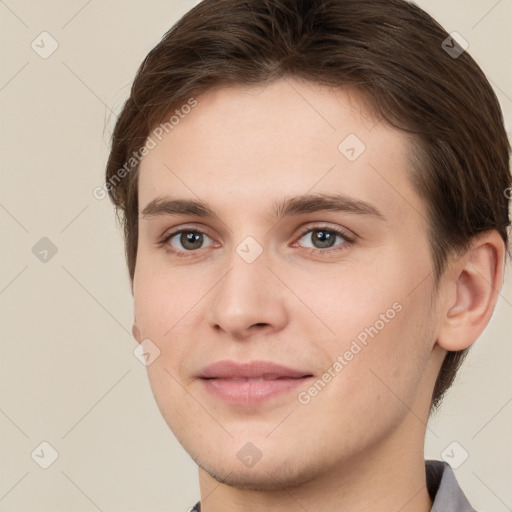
<point x="68" y="375"/>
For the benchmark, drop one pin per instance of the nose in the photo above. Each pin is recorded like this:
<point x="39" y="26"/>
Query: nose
<point x="248" y="300"/>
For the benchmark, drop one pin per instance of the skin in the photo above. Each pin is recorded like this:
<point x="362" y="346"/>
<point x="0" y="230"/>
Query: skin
<point x="357" y="444"/>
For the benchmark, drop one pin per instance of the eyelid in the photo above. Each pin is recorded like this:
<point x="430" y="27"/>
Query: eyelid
<point x="347" y="234"/>
<point x="174" y="231"/>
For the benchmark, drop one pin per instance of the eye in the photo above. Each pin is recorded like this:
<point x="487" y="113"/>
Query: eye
<point x="189" y="239"/>
<point x="186" y="242"/>
<point x="323" y="237"/>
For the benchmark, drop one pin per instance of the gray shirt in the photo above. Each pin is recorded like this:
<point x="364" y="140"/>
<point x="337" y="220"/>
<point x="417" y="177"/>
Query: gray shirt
<point x="442" y="486"/>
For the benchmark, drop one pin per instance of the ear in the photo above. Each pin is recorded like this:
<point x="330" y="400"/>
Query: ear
<point x="475" y="280"/>
<point x="136" y="331"/>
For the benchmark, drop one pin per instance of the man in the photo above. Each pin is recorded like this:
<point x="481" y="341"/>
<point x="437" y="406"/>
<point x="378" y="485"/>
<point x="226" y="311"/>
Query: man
<point x="316" y="230"/>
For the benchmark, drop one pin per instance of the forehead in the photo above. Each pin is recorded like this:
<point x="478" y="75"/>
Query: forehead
<point x="250" y="146"/>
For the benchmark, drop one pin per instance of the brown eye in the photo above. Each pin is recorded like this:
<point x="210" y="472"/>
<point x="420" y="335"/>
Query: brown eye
<point x="186" y="240"/>
<point x="322" y="238"/>
<point x="191" y="240"/>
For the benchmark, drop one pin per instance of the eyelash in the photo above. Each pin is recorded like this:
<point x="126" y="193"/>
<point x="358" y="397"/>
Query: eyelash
<point x="348" y="241"/>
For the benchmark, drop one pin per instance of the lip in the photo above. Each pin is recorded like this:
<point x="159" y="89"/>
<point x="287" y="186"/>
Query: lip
<point x="250" y="370"/>
<point x="227" y="380"/>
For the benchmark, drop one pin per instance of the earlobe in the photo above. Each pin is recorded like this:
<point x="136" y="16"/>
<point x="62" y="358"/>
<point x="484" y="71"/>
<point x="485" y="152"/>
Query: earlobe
<point x="477" y="277"/>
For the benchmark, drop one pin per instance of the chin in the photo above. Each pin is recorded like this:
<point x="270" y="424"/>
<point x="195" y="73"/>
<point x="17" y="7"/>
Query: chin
<point x="270" y="475"/>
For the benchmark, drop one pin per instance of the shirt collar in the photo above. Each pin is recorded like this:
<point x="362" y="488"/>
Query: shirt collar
<point x="444" y="489"/>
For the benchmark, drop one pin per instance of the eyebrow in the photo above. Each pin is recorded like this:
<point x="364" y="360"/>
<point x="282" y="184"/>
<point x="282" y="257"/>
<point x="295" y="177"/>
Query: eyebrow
<point x="297" y="205"/>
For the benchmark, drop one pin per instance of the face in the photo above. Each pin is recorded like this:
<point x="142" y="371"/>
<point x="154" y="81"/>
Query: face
<point x="308" y="250"/>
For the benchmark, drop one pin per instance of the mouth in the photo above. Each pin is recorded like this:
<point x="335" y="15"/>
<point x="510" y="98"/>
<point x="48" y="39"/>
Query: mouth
<point x="252" y="383"/>
<point x="260" y="370"/>
<point x="253" y="379"/>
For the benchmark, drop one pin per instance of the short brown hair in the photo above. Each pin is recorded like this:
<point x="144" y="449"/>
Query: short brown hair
<point x="391" y="51"/>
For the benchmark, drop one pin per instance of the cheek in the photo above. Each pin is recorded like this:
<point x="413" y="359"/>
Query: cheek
<point x="164" y="298"/>
<point x="346" y="306"/>
<point x="382" y="338"/>
<point x="372" y="383"/>
<point x="168" y="308"/>
<point x="161" y="304"/>
<point x="389" y="368"/>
